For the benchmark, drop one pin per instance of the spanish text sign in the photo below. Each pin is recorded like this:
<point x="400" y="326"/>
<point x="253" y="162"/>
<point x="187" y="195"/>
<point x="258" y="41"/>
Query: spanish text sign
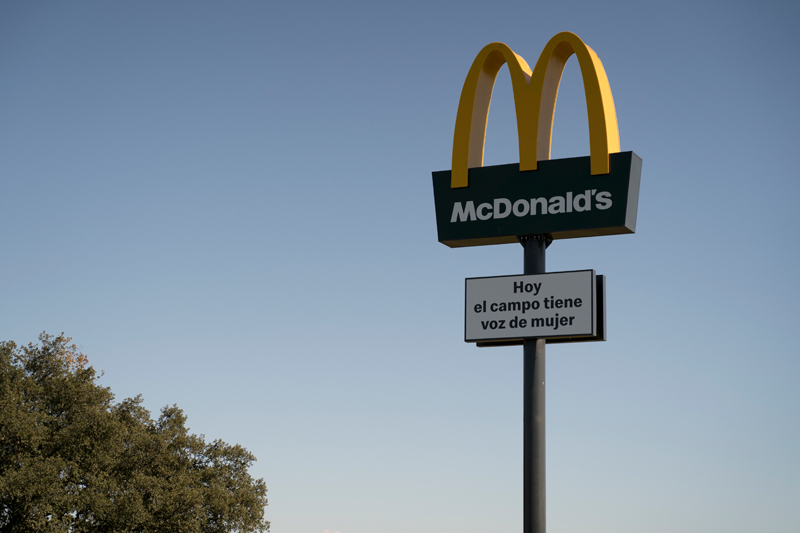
<point x="557" y="304"/>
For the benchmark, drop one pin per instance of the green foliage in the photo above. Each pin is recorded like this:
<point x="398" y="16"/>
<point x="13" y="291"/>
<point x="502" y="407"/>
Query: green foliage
<point x="73" y="460"/>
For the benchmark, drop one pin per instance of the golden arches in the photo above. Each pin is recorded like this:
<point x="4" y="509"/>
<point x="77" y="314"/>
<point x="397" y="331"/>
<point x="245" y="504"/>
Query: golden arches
<point x="473" y="109"/>
<point x="535" y="95"/>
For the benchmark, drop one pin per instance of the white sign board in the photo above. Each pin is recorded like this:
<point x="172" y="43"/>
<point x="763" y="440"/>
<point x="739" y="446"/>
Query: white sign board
<point x="544" y="306"/>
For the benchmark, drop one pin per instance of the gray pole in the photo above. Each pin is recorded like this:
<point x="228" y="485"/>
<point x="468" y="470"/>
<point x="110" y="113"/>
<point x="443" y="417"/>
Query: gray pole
<point x="534" y="503"/>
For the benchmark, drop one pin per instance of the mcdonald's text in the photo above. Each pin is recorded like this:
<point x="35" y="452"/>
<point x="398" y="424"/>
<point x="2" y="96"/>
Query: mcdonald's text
<point x="502" y="207"/>
<point x="561" y="199"/>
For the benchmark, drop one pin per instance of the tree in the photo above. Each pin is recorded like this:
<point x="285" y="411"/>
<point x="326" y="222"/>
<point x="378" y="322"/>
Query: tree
<point x="73" y="460"/>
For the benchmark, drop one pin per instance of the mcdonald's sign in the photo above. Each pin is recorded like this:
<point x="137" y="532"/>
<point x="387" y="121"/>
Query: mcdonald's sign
<point x="562" y="198"/>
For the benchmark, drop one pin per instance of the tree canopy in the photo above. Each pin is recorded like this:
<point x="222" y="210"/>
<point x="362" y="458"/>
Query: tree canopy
<point x="71" y="459"/>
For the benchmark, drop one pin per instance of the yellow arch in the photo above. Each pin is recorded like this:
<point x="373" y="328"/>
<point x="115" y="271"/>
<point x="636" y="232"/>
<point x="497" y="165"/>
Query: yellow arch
<point x="535" y="94"/>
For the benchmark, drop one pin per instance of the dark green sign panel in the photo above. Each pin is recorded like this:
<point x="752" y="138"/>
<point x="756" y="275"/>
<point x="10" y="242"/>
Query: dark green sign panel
<point x="561" y="198"/>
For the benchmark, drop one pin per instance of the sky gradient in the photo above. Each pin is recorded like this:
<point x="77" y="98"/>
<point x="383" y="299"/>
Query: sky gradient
<point x="229" y="207"/>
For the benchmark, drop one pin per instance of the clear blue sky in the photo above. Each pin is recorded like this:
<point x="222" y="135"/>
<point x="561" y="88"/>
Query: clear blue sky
<point x="228" y="206"/>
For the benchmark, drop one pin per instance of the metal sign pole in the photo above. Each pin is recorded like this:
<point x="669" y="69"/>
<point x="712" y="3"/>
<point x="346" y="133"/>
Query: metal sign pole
<point x="533" y="413"/>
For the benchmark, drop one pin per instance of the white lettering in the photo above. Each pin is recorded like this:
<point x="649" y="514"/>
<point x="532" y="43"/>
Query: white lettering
<point x="603" y="200"/>
<point x="503" y="207"/>
<point x="461" y="213"/>
<point x="482" y="215"/>
<point x="586" y="198"/>
<point x="501" y="202"/>
<point x="556" y="205"/>
<point x="541" y="202"/>
<point x="521" y="208"/>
